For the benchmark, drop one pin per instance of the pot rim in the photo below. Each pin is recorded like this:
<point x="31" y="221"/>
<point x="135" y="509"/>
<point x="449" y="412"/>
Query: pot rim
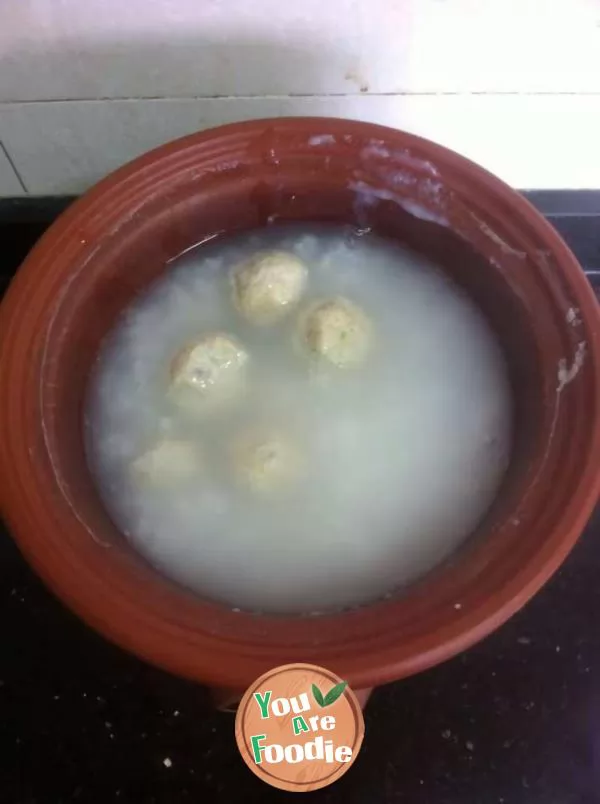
<point x="136" y="631"/>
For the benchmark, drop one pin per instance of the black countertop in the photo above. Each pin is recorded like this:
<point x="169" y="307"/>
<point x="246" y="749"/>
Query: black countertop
<point x="515" y="720"/>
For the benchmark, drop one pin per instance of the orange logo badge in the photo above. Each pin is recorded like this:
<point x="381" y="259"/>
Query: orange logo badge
<point x="299" y="727"/>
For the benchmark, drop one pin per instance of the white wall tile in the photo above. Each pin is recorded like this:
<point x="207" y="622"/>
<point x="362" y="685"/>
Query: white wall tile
<point x="529" y="141"/>
<point x="9" y="181"/>
<point x="110" y="48"/>
<point x="71" y="49"/>
<point x="504" y="46"/>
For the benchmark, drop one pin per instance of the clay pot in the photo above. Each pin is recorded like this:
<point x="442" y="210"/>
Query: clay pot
<point x="116" y="239"/>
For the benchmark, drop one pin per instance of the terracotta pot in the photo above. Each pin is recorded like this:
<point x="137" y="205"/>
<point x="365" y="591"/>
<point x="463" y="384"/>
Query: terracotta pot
<point x="112" y="242"/>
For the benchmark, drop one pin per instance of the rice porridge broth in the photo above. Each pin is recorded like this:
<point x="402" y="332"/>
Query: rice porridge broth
<point x="401" y="456"/>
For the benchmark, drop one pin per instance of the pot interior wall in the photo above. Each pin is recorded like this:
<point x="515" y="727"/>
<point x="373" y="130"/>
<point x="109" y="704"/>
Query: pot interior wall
<point x="139" y="250"/>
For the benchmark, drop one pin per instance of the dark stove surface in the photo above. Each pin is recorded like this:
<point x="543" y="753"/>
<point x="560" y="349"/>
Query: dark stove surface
<point x="515" y="720"/>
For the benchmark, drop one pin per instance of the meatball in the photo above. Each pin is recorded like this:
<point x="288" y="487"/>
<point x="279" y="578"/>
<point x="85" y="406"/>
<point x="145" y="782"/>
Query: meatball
<point x="266" y="461"/>
<point x="336" y="332"/>
<point x="168" y="462"/>
<point x="208" y="372"/>
<point x="267" y="286"/>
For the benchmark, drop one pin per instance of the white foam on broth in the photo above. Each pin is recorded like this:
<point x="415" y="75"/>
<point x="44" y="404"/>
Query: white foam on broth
<point x="403" y="456"/>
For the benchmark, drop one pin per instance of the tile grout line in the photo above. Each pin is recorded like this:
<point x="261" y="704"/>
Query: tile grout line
<point x="13" y="166"/>
<point x="314" y="95"/>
